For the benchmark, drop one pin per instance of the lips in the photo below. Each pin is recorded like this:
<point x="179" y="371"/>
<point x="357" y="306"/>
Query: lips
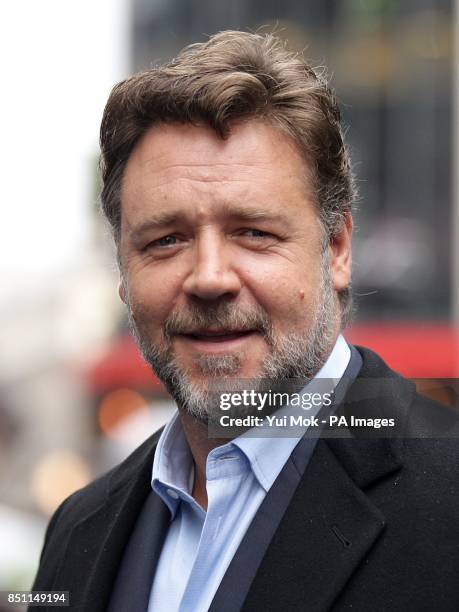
<point x="218" y="335"/>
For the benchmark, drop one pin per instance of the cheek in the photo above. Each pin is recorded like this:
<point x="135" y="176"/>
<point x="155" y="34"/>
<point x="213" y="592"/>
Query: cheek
<point x="147" y="308"/>
<point x="153" y="294"/>
<point x="286" y="290"/>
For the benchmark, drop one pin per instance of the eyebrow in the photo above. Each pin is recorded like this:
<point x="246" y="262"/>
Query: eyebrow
<point x="167" y="218"/>
<point x="252" y="214"/>
<point x="159" y="220"/>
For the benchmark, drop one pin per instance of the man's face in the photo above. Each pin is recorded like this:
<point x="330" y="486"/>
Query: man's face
<point x="223" y="267"/>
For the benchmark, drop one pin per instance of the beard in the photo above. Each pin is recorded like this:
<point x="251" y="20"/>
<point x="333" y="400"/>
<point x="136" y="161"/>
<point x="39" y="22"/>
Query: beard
<point x="297" y="356"/>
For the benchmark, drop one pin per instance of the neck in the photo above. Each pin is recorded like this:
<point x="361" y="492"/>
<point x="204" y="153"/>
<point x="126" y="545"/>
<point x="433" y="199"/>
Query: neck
<point x="200" y="445"/>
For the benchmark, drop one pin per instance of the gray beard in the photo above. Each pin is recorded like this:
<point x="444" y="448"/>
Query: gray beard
<point x="292" y="356"/>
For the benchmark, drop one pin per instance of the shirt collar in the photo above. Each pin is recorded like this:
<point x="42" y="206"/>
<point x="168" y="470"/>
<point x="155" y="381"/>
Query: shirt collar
<point x="173" y="465"/>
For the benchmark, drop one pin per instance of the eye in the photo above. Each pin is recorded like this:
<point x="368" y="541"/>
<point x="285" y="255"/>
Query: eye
<point x="256" y="233"/>
<point x="256" y="239"/>
<point x="163" y="242"/>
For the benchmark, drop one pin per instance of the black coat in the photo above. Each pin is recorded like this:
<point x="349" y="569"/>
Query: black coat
<point x="372" y="526"/>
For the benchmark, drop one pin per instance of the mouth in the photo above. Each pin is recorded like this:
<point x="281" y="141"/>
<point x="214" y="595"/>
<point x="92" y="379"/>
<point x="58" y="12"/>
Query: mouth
<point x="218" y="339"/>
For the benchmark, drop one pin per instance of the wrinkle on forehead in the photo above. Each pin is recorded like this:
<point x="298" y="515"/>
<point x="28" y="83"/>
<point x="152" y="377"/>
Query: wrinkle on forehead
<point x="161" y="182"/>
<point x="159" y="175"/>
<point x="204" y="173"/>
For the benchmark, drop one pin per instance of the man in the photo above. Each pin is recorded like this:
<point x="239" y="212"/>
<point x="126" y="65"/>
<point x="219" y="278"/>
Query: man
<point x="229" y="191"/>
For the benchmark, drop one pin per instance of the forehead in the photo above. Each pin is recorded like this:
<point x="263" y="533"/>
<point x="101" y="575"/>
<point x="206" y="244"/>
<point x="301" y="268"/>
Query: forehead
<point x="190" y="170"/>
<point x="253" y="147"/>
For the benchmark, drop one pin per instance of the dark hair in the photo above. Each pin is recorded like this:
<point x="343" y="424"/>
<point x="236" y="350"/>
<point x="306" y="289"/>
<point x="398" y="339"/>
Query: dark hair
<point x="231" y="77"/>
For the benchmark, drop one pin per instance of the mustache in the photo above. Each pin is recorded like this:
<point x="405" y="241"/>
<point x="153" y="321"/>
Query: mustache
<point x="222" y="315"/>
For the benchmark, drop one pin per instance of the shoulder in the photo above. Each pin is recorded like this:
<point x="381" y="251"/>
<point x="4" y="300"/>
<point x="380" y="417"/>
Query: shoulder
<point x="90" y="498"/>
<point x="424" y="441"/>
<point x="87" y="502"/>
<point x="421" y="416"/>
<point x="431" y="447"/>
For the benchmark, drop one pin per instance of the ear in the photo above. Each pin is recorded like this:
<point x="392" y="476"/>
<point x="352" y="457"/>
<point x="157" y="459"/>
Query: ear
<point x="122" y="290"/>
<point x="341" y="255"/>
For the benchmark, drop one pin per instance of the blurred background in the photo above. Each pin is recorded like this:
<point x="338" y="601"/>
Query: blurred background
<point x="75" y="396"/>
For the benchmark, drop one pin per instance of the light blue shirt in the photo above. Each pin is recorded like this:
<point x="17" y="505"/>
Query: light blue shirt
<point x="199" y="545"/>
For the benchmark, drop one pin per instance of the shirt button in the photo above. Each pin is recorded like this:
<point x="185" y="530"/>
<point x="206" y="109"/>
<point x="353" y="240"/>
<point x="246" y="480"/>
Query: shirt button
<point x="172" y="493"/>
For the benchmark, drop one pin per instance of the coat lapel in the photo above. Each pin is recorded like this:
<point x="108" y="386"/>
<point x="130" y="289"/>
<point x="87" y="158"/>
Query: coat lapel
<point x="132" y="586"/>
<point x="325" y="534"/>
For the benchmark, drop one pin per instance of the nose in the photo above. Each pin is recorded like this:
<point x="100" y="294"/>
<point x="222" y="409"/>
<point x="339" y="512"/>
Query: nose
<point x="212" y="276"/>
